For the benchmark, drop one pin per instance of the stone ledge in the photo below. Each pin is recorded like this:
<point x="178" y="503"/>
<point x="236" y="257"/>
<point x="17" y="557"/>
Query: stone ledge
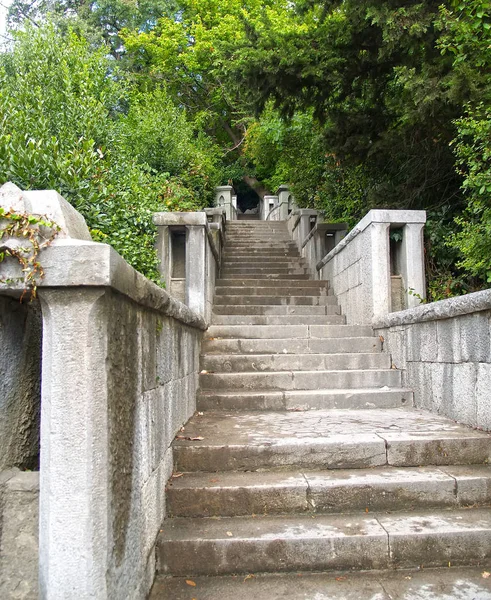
<point x="435" y="311"/>
<point x="77" y="263"/>
<point x="177" y="218"/>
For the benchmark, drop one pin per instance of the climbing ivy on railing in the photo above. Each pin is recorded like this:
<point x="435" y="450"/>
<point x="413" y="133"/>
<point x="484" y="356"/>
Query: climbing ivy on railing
<point x="28" y="235"/>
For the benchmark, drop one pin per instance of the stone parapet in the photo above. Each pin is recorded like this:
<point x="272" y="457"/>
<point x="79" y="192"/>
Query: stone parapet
<point x="443" y="350"/>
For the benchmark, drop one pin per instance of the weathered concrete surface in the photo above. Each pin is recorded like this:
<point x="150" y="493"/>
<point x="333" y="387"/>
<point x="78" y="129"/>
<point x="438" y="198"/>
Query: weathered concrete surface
<point x="20" y="383"/>
<point x="19" y="516"/>
<point x="428" y="584"/>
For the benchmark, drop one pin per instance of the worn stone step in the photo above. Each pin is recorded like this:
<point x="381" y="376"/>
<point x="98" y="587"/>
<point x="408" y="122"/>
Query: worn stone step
<point x="276" y="288"/>
<point x="265" y="245"/>
<point x="291" y="346"/>
<point x="253" y="272"/>
<point x="301" y="380"/>
<point x="220" y="300"/>
<point x="232" y="494"/>
<point x="266" y="278"/>
<point x="278" y="320"/>
<point x="261" y="332"/>
<point x="315" y="285"/>
<point x="265" y="262"/>
<point x="327" y="439"/>
<point x="254" y="253"/>
<point x="250" y="363"/>
<point x="302" y="400"/>
<point x="206" y="546"/>
<point x="443" y="583"/>
<point x="275" y="309"/>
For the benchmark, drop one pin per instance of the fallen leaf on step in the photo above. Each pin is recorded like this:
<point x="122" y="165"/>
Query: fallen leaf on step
<point x="230" y="534"/>
<point x="191" y="582"/>
<point x="200" y="414"/>
<point x="341" y="578"/>
<point x="176" y="475"/>
<point x="250" y="576"/>
<point x="486" y="575"/>
<point x="408" y="577"/>
<point x="203" y="372"/>
<point x="381" y="338"/>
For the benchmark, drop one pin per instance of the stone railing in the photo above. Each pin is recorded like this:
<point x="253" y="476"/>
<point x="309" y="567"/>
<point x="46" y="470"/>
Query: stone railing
<point x="119" y="365"/>
<point x="370" y="273"/>
<point x="225" y="198"/>
<point x="444" y="352"/>
<point x="189" y="247"/>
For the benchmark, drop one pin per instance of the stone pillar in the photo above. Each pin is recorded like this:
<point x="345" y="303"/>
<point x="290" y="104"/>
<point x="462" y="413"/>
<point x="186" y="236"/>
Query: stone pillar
<point x="270" y="202"/>
<point x="224" y="198"/>
<point x="194" y="277"/>
<point x="196" y="268"/>
<point x="74" y="535"/>
<point x="284" y="199"/>
<point x="304" y="226"/>
<point x="413" y="271"/>
<point x="380" y="269"/>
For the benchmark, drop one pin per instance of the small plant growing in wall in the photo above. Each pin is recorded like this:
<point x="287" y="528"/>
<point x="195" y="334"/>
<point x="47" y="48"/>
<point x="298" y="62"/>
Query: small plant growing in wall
<point x="22" y="237"/>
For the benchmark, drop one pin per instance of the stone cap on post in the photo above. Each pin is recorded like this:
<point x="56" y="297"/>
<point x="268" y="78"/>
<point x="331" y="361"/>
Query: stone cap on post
<point x="46" y="203"/>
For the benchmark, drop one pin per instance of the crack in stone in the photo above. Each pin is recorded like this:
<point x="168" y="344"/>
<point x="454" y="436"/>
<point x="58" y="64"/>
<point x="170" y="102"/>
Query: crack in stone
<point x="310" y="502"/>
<point x="386" y="444"/>
<point x="388" y="539"/>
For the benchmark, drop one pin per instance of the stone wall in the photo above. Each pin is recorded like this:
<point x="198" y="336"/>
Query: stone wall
<point x="444" y="352"/>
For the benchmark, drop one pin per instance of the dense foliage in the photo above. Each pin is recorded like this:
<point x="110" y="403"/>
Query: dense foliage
<point x="355" y="103"/>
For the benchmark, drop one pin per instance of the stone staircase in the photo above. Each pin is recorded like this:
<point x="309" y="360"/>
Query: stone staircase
<point x="307" y="455"/>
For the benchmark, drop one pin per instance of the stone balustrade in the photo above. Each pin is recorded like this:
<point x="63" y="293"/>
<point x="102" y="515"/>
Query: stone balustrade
<point x="189" y="249"/>
<point x="119" y="365"/>
<point x="444" y="352"/>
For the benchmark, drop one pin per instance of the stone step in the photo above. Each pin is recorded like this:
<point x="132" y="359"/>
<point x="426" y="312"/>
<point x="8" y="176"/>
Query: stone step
<point x="246" y="254"/>
<point x="278" y="320"/>
<point x="265" y="263"/>
<point x="271" y="332"/>
<point x="267" y="277"/>
<point x="206" y="546"/>
<point x="302" y="400"/>
<point x="260" y="273"/>
<point x="327" y="439"/>
<point x="260" y="363"/>
<point x="221" y="300"/>
<point x="275" y="309"/>
<point x="445" y="583"/>
<point x="277" y="288"/>
<point x="232" y="494"/>
<point x="314" y="284"/>
<point x="301" y="380"/>
<point x="291" y="346"/>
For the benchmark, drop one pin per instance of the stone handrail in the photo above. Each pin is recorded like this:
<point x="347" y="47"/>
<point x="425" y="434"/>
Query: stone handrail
<point x="443" y="350"/>
<point x="118" y="361"/>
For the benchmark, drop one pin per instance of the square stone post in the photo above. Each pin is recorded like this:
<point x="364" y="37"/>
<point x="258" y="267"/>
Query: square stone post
<point x="380" y="269"/>
<point x="224" y="198"/>
<point x="197" y="248"/>
<point x="270" y="203"/>
<point x="284" y="200"/>
<point x="413" y="271"/>
<point x="196" y="268"/>
<point x="74" y="533"/>
<point x="304" y="225"/>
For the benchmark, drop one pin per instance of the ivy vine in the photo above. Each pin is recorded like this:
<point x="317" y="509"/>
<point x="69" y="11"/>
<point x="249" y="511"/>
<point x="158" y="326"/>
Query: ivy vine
<point x="34" y="234"/>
